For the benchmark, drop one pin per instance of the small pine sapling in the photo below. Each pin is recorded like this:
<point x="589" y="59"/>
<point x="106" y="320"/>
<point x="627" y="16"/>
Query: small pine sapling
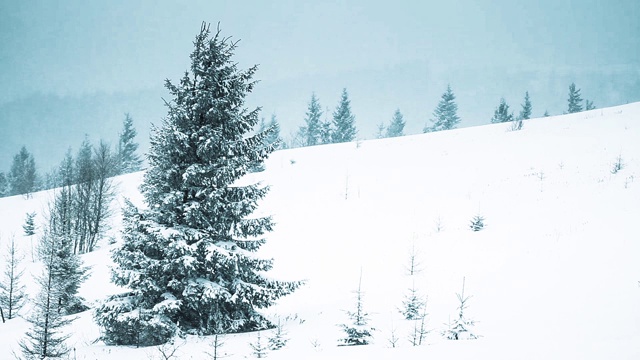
<point x="419" y="332"/>
<point x="412" y="305"/>
<point x="169" y="350"/>
<point x="279" y="339"/>
<point x="259" y="347"/>
<point x="414" y="267"/>
<point x="477" y="223"/>
<point x="29" y="228"/>
<point x="461" y="327"/>
<point x="216" y="346"/>
<point x="617" y="165"/>
<point x="358" y="332"/>
<point x="393" y="337"/>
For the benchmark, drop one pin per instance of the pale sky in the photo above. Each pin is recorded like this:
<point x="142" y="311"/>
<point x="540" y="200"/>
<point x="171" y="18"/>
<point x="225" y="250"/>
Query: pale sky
<point x="388" y="54"/>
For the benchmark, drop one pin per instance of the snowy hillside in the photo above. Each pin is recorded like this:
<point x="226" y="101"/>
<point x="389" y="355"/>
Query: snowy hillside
<point x="553" y="275"/>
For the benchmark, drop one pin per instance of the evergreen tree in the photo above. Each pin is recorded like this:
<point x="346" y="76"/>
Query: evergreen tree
<point x="381" y="133"/>
<point x="313" y="125"/>
<point x="279" y="339"/>
<point x="189" y="257"/>
<point x="461" y="327"/>
<point x="396" y="127"/>
<point x="259" y="348"/>
<point x="23" y="176"/>
<point x="344" y="122"/>
<point x="525" y="113"/>
<point x="44" y="340"/>
<point x="575" y="101"/>
<point x="326" y="130"/>
<point x="3" y="185"/>
<point x="501" y="113"/>
<point x="29" y="225"/>
<point x="273" y="137"/>
<point x="588" y="105"/>
<point x="412" y="305"/>
<point x="546" y="113"/>
<point x="358" y="332"/>
<point x="12" y="294"/>
<point x="445" y="116"/>
<point x="128" y="160"/>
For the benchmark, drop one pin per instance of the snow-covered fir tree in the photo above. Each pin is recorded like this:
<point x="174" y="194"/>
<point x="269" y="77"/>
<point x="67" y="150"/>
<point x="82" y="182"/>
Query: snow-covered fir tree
<point x="344" y="122"/>
<point x="189" y="257"/>
<point x="278" y="339"/>
<point x="445" y="116"/>
<point x="574" y="100"/>
<point x="12" y="290"/>
<point x="525" y="112"/>
<point x="311" y="131"/>
<point x="477" y="223"/>
<point x="396" y="127"/>
<point x="259" y="348"/>
<point x="128" y="160"/>
<point x="502" y="114"/>
<point x="461" y="328"/>
<point x="44" y="340"/>
<point x="23" y="175"/>
<point x="272" y="128"/>
<point x="4" y="184"/>
<point x="358" y="332"/>
<point x="413" y="304"/>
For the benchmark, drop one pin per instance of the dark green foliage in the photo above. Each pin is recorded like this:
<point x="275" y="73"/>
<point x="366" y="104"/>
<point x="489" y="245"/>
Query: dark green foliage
<point x="412" y="305"/>
<point x="396" y="127"/>
<point x="589" y="105"/>
<point x="358" y="332"/>
<point x="188" y="258"/>
<point x="29" y="225"/>
<point x="23" y="176"/>
<point x="128" y="160"/>
<point x="502" y="114"/>
<point x="461" y="327"/>
<point x="574" y="100"/>
<point x="445" y="116"/>
<point x="477" y="223"/>
<point x="525" y="113"/>
<point x="344" y="122"/>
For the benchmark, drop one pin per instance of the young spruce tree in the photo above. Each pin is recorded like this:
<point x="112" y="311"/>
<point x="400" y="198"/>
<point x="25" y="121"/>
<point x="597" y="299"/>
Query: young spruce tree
<point x="12" y="291"/>
<point x="188" y="258"/>
<point x="396" y="127"/>
<point x="344" y="122"/>
<point x="311" y="130"/>
<point x="525" y="113"/>
<point x="502" y="114"/>
<point x="445" y="116"/>
<point x="574" y="100"/>
<point x="128" y="160"/>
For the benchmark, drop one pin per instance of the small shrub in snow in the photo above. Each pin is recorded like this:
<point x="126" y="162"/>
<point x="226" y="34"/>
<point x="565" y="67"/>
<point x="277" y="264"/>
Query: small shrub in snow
<point x="278" y="340"/>
<point x="358" y="332"/>
<point x="617" y="165"/>
<point x="461" y="327"/>
<point x="477" y="223"/>
<point x="259" y="348"/>
<point x="216" y="346"/>
<point x="412" y="305"/>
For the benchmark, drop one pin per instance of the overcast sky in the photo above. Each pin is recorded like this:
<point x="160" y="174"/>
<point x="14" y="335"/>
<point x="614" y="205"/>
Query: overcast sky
<point x="387" y="53"/>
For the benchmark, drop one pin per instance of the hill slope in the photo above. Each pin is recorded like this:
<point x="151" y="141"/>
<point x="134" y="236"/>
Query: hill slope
<point x="554" y="274"/>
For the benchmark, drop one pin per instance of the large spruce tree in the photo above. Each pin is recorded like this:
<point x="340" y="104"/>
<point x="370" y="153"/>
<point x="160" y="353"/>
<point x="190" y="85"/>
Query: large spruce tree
<point x="445" y="116"/>
<point x="23" y="176"/>
<point x="189" y="257"/>
<point x="396" y="127"/>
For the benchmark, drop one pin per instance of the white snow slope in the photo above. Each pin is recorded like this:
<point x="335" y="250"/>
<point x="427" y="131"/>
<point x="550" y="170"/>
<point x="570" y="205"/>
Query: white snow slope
<point x="553" y="275"/>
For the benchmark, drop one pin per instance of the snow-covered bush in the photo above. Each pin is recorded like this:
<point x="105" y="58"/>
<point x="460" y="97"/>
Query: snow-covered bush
<point x="477" y="223"/>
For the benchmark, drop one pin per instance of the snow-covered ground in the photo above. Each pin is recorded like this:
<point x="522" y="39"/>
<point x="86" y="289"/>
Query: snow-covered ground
<point x="553" y="275"/>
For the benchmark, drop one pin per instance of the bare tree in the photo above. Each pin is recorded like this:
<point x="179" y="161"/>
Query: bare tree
<point x="12" y="294"/>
